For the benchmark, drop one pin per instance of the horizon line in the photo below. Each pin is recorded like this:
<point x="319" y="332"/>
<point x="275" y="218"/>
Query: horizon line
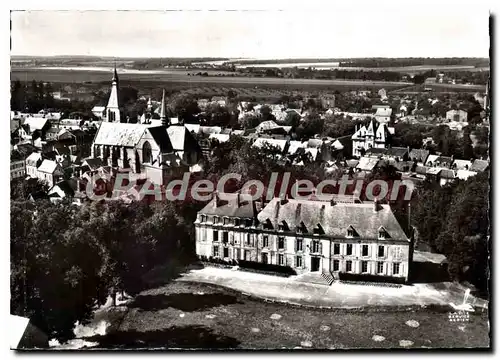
<point x="256" y="58"/>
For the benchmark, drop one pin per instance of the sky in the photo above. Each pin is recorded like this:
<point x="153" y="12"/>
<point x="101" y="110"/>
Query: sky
<point x="347" y="31"/>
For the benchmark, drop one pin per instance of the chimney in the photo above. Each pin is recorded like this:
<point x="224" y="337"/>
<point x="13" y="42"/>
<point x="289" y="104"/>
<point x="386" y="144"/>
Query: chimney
<point x="375" y="204"/>
<point x="216" y="197"/>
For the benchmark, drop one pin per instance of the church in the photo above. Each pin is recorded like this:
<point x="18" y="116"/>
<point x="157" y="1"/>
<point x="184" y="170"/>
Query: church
<point x="151" y="150"/>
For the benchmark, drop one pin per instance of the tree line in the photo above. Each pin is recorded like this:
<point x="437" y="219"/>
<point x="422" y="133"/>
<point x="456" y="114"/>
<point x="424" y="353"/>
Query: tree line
<point x="66" y="260"/>
<point x="454" y="220"/>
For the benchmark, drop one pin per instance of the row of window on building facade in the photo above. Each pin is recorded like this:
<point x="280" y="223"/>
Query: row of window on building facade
<point x="315" y="247"/>
<point x="299" y="261"/>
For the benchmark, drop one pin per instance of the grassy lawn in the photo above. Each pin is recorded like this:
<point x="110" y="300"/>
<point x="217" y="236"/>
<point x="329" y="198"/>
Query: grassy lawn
<point x="187" y="315"/>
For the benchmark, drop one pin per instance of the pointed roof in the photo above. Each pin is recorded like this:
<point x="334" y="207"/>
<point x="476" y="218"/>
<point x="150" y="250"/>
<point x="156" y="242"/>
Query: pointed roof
<point x="115" y="74"/>
<point x="371" y="128"/>
<point x="163" y="113"/>
<point x="113" y="97"/>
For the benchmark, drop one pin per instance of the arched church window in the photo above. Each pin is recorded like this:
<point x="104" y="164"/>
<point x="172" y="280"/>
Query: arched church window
<point x="147" y="155"/>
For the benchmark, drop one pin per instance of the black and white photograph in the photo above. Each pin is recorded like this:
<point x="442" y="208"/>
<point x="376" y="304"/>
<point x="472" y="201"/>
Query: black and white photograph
<point x="304" y="178"/>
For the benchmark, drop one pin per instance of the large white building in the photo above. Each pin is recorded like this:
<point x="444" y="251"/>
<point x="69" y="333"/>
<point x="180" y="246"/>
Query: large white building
<point x="328" y="237"/>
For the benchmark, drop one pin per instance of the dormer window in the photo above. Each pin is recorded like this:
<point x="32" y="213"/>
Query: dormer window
<point x="302" y="228"/>
<point x="318" y="230"/>
<point x="216" y="219"/>
<point x="225" y="221"/>
<point x="283" y="226"/>
<point x="236" y="222"/>
<point x="382" y="234"/>
<point x="248" y="222"/>
<point x="351" y="232"/>
<point x="268" y="224"/>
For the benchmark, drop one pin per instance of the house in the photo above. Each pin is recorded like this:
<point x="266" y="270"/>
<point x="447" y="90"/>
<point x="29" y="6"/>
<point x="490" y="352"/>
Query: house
<point x="34" y="128"/>
<point x="367" y="164"/>
<point x="17" y="165"/>
<point x="339" y="239"/>
<point x="461" y="164"/>
<point x="98" y="111"/>
<point x="32" y="163"/>
<point x="373" y="135"/>
<point x="270" y="127"/>
<point x="294" y="146"/>
<point x="480" y="165"/>
<point x="50" y="172"/>
<point x="419" y="155"/>
<point x="456" y="116"/>
<point x="383" y="114"/>
<point x="62" y="190"/>
<point x="465" y="174"/>
<point x="25" y="149"/>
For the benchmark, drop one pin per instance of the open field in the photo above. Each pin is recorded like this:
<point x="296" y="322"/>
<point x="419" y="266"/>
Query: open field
<point x="200" y="316"/>
<point x="441" y="88"/>
<point x="77" y="76"/>
<point x="179" y="79"/>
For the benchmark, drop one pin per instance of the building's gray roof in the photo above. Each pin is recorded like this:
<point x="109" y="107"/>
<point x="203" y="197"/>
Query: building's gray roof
<point x="94" y="163"/>
<point x="246" y="209"/>
<point x="419" y="155"/>
<point x="65" y="186"/>
<point x="334" y="219"/>
<point x="479" y="165"/>
<point x="396" y="151"/>
<point x="366" y="163"/>
<point x="48" y="166"/>
<point x="461" y="164"/>
<point x="444" y="161"/>
<point x="16" y="156"/>
<point x="119" y="134"/>
<point x="422" y="170"/>
<point x="447" y="174"/>
<point x="352" y="163"/>
<point x="26" y="149"/>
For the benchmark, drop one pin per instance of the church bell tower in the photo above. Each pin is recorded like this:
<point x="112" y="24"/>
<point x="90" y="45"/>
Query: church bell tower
<point x="113" y="108"/>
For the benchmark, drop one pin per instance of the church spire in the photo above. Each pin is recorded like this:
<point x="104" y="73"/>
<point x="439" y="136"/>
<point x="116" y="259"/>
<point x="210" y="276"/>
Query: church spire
<point x="113" y="108"/>
<point x="163" y="112"/>
<point x="115" y="75"/>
